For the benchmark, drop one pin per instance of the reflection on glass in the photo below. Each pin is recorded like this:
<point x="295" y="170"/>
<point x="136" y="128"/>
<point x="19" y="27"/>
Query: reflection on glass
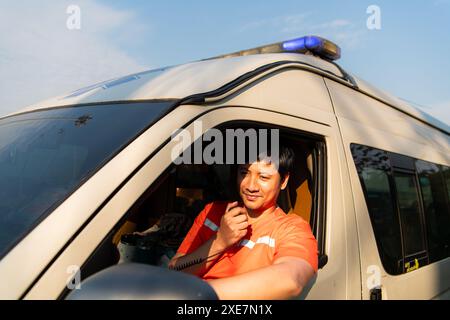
<point x="374" y="169"/>
<point x="408" y="202"/>
<point x="46" y="155"/>
<point x="437" y="213"/>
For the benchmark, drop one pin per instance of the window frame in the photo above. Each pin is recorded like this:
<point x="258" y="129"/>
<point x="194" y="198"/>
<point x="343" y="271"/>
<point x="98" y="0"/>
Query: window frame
<point x="405" y="165"/>
<point x="319" y="196"/>
<point x="396" y="214"/>
<point x="423" y="254"/>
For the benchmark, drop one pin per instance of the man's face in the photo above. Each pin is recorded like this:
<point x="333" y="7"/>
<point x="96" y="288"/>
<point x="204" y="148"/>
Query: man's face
<point x="259" y="184"/>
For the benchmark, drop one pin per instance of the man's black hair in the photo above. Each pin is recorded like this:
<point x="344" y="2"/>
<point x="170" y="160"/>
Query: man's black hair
<point x="283" y="158"/>
<point x="286" y="158"/>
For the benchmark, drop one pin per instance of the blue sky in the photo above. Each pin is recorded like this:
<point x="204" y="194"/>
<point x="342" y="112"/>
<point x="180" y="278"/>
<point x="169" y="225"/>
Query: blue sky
<point x="40" y="57"/>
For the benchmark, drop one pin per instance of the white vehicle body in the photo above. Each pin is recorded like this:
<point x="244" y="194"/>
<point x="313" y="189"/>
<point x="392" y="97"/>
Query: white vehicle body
<point x="297" y="91"/>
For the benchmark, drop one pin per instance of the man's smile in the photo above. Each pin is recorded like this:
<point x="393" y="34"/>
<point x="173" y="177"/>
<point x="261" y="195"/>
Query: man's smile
<point x="251" y="197"/>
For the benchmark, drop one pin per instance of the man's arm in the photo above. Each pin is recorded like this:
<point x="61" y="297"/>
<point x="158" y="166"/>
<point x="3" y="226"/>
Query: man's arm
<point x="284" y="279"/>
<point x="211" y="248"/>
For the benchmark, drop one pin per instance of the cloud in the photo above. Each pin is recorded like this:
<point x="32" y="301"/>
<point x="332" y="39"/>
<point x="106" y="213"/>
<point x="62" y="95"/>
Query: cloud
<point x="293" y="23"/>
<point x="336" y="24"/>
<point x="284" y="23"/>
<point x="440" y="111"/>
<point x="441" y="2"/>
<point x="40" y="57"/>
<point x="342" y="31"/>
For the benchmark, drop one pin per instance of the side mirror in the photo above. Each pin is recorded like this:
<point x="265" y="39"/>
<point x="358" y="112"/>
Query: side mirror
<point x="134" y="281"/>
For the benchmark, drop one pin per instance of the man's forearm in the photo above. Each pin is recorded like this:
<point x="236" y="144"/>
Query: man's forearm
<point x="211" y="248"/>
<point x="283" y="280"/>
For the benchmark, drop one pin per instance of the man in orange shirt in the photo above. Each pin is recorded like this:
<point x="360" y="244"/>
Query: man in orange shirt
<point x="252" y="250"/>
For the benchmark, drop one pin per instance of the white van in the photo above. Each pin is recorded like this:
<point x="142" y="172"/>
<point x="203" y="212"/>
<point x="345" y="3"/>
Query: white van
<point x="80" y="172"/>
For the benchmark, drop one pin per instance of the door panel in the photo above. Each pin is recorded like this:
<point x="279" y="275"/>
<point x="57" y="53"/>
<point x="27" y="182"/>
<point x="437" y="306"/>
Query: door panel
<point x="366" y="121"/>
<point x="333" y="281"/>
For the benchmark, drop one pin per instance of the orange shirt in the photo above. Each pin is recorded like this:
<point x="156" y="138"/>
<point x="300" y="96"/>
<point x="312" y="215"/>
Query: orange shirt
<point x="270" y="237"/>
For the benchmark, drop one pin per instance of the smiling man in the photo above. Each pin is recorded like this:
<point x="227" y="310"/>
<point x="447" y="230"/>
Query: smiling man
<point x="252" y="249"/>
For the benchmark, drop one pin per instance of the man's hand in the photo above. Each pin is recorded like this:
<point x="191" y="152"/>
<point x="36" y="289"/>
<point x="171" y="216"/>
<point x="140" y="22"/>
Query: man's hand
<point x="233" y="225"/>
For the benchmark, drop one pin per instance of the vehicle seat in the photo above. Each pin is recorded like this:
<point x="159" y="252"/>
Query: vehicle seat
<point x="300" y="185"/>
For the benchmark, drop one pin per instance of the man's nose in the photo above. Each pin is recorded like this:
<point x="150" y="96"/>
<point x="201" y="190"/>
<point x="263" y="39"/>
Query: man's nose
<point x="252" y="184"/>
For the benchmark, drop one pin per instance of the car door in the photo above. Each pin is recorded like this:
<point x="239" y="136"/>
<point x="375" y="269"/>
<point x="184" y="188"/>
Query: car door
<point x="387" y="150"/>
<point x="334" y="275"/>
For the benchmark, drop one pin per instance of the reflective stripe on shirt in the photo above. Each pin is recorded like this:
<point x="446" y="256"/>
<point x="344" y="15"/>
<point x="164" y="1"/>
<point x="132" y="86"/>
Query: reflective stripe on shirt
<point x="211" y="225"/>
<point x="262" y="240"/>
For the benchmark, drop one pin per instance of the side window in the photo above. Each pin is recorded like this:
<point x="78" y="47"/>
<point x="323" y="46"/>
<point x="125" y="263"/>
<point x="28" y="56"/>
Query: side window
<point x="446" y="171"/>
<point x="437" y="215"/>
<point x="407" y="200"/>
<point x="408" y="205"/>
<point x="374" y="170"/>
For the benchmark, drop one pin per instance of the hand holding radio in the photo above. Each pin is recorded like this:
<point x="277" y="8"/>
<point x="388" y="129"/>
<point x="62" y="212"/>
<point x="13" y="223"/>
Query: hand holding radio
<point x="233" y="225"/>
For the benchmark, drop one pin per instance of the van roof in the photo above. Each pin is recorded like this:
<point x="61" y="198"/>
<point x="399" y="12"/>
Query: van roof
<point x="178" y="82"/>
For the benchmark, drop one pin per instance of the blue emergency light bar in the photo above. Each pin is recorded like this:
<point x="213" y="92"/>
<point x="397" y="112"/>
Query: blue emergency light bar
<point x="316" y="45"/>
<point x="312" y="45"/>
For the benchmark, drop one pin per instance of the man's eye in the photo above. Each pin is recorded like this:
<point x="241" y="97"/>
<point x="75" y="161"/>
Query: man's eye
<point x="264" y="178"/>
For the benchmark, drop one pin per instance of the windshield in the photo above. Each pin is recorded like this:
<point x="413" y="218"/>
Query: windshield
<point x="46" y="155"/>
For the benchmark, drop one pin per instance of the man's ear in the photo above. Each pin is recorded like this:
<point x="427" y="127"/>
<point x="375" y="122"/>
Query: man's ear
<point x="284" y="181"/>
